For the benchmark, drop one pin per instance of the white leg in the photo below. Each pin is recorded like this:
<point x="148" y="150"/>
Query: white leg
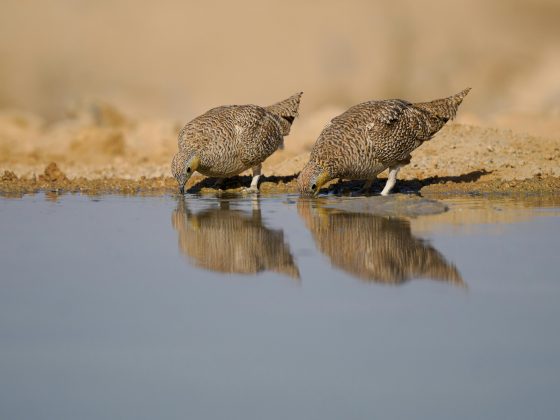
<point x="391" y="180"/>
<point x="255" y="181"/>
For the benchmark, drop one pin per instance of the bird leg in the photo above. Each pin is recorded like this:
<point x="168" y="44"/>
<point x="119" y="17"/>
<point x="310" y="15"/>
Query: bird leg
<point x="254" y="188"/>
<point x="391" y="180"/>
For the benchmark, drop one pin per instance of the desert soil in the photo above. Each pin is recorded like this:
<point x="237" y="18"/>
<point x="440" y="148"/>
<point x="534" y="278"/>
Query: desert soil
<point x="99" y="150"/>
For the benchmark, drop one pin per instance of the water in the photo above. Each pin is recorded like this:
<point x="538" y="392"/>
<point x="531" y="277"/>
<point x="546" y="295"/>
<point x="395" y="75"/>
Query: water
<point x="274" y="308"/>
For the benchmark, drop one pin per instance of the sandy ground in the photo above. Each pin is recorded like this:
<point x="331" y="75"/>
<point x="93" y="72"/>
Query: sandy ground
<point x="106" y="106"/>
<point x="99" y="149"/>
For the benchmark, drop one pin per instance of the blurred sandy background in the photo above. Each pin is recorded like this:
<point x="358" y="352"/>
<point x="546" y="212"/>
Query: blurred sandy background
<point x="103" y="86"/>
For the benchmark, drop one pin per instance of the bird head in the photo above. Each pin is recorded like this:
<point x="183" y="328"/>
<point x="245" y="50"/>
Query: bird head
<point x="311" y="179"/>
<point x="183" y="166"/>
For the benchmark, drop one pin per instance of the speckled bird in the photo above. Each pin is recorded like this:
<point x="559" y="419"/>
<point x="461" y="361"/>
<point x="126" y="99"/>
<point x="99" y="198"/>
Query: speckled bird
<point x="372" y="136"/>
<point x="228" y="140"/>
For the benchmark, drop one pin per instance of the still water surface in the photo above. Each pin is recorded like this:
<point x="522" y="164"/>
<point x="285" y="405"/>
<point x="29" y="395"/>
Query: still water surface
<point x="276" y="308"/>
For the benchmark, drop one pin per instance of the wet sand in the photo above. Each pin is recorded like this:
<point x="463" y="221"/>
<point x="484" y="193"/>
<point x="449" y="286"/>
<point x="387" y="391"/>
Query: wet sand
<point x="55" y="181"/>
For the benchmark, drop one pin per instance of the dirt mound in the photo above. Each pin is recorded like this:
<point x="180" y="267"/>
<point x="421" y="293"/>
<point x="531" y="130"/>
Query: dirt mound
<point x="53" y="174"/>
<point x="9" y="176"/>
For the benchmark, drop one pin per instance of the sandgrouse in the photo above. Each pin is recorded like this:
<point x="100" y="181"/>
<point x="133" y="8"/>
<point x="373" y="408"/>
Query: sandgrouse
<point x="228" y="140"/>
<point x="373" y="136"/>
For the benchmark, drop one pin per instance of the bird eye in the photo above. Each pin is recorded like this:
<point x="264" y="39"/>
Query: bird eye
<point x="188" y="170"/>
<point x="314" y="187"/>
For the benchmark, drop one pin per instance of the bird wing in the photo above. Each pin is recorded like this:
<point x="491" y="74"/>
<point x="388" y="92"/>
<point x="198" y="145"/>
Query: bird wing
<point x="394" y="128"/>
<point x="258" y="138"/>
<point x="215" y="124"/>
<point x="390" y="111"/>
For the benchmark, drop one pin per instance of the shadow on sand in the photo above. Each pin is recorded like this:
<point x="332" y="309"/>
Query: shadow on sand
<point x="403" y="186"/>
<point x="238" y="181"/>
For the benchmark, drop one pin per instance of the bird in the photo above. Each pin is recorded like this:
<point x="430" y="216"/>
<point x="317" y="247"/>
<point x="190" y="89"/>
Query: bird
<point x="375" y="248"/>
<point x="228" y="240"/>
<point x="228" y="140"/>
<point x="371" y="137"/>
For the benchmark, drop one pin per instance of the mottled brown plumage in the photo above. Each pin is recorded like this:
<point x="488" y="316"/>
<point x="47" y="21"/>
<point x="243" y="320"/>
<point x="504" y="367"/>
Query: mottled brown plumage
<point x="373" y="136"/>
<point x="375" y="248"/>
<point x="228" y="140"/>
<point x="232" y="241"/>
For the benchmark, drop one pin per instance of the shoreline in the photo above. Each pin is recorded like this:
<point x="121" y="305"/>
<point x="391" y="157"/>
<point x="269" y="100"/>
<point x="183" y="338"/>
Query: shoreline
<point x="53" y="180"/>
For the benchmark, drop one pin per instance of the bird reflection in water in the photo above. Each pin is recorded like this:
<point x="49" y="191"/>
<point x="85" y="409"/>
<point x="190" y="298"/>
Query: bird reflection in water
<point x="375" y="248"/>
<point x="232" y="241"/>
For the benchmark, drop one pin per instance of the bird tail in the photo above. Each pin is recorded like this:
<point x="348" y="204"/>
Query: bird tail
<point x="445" y="108"/>
<point x="287" y="110"/>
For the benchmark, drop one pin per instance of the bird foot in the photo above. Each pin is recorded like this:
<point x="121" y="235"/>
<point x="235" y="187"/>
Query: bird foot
<point x="251" y="190"/>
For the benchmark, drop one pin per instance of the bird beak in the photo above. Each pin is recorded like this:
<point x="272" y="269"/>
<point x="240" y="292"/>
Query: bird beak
<point x="193" y="164"/>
